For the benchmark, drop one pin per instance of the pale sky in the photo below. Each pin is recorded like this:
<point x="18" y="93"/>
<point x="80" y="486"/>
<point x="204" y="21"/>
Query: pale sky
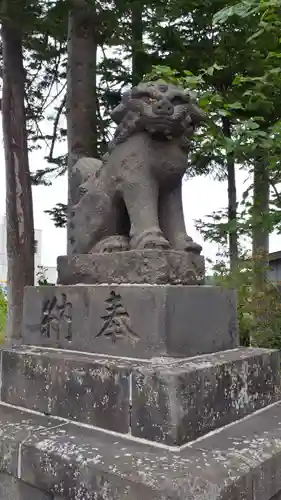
<point x="201" y="196"/>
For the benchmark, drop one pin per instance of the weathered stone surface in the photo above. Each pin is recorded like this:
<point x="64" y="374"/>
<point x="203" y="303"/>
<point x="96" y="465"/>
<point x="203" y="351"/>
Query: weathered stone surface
<point x="131" y="320"/>
<point x="277" y="497"/>
<point x="241" y="462"/>
<point x="15" y="428"/>
<point x="84" y="169"/>
<point x="14" y="489"/>
<point x="135" y="266"/>
<point x="91" y="390"/>
<point x="134" y="199"/>
<point x="177" y="401"/>
<point x="163" y="399"/>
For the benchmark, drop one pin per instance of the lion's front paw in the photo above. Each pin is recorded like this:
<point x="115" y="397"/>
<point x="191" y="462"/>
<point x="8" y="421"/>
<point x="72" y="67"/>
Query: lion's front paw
<point x="187" y="244"/>
<point x="115" y="243"/>
<point x="149" y="239"/>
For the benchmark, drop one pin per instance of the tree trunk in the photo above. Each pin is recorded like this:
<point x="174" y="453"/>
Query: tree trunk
<point x="19" y="209"/>
<point x="232" y="201"/>
<point x="82" y="131"/>
<point x="138" y="55"/>
<point x="260" y="230"/>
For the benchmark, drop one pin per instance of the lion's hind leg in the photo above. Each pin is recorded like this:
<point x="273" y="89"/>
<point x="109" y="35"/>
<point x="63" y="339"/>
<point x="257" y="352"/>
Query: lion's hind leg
<point x="91" y="220"/>
<point x="118" y="239"/>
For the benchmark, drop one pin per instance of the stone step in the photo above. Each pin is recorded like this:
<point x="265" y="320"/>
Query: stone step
<point x="165" y="400"/>
<point x="240" y="461"/>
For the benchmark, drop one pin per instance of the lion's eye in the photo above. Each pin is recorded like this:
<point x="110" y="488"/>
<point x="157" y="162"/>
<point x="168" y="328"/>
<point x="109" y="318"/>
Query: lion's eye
<point x="177" y="101"/>
<point x="146" y="98"/>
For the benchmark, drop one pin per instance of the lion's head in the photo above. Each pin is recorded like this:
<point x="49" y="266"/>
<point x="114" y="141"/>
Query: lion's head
<point x="163" y="110"/>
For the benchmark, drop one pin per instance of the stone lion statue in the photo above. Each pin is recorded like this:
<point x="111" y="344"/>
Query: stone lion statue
<point x="133" y="199"/>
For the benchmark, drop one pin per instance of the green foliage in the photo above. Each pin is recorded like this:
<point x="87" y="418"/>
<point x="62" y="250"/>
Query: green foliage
<point x="259" y="311"/>
<point x="3" y="315"/>
<point x="58" y="214"/>
<point x="41" y="276"/>
<point x="268" y="13"/>
<point x="238" y="79"/>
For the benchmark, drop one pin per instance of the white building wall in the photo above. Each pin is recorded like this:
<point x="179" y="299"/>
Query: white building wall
<point x="50" y="272"/>
<point x="2" y="235"/>
<point x="274" y="272"/>
<point x="38" y="248"/>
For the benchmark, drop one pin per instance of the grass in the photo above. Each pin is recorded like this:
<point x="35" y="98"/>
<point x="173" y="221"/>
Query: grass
<point x="3" y="315"/>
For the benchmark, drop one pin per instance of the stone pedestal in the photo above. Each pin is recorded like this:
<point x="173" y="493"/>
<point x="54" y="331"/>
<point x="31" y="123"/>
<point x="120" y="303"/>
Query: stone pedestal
<point x="139" y="321"/>
<point x="137" y="390"/>
<point x="160" y="400"/>
<point x="154" y="267"/>
<point x="86" y="426"/>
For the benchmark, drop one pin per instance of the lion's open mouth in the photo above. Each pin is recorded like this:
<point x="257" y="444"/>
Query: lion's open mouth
<point x="167" y="128"/>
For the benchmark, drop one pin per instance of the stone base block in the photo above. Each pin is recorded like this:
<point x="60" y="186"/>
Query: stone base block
<point x="165" y="400"/>
<point x="82" y="388"/>
<point x="14" y="489"/>
<point x="137" y="321"/>
<point x="240" y="462"/>
<point x="177" y="401"/>
<point x="134" y="266"/>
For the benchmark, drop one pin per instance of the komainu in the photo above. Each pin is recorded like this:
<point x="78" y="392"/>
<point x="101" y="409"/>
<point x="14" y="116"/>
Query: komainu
<point x="133" y="199"/>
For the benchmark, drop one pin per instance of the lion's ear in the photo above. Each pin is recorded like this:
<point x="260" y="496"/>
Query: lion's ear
<point x="188" y="95"/>
<point x="120" y="111"/>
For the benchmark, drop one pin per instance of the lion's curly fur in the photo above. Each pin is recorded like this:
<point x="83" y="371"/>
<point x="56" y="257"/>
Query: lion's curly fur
<point x="134" y="109"/>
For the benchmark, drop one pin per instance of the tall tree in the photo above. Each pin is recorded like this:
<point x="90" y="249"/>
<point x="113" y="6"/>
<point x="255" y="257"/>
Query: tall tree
<point x="232" y="199"/>
<point x="138" y="69"/>
<point x="260" y="229"/>
<point x="260" y="85"/>
<point x="81" y="89"/>
<point x="19" y="209"/>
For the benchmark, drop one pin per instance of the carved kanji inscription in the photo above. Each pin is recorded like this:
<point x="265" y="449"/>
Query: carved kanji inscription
<point x="117" y="324"/>
<point x="57" y="317"/>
